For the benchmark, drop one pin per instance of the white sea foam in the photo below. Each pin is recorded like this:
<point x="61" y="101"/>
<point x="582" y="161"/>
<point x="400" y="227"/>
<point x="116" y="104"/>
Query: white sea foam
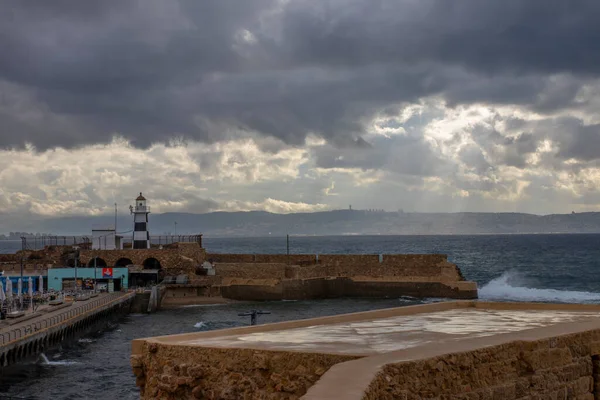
<point x="44" y="361"/>
<point x="63" y="362"/>
<point x="200" y="324"/>
<point x="509" y="287"/>
<point x="86" y="340"/>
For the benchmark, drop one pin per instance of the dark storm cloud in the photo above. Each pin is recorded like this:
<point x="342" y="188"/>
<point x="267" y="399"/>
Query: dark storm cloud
<point x="501" y="148"/>
<point x="153" y="69"/>
<point x="572" y="139"/>
<point x="582" y="142"/>
<point x="538" y="35"/>
<point x="473" y="157"/>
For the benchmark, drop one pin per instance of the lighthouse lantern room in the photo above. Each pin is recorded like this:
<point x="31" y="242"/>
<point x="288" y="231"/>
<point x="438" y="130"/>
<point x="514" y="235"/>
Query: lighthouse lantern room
<point x="141" y="234"/>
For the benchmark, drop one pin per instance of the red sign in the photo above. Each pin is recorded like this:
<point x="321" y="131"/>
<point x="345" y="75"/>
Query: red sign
<point x="107" y="272"/>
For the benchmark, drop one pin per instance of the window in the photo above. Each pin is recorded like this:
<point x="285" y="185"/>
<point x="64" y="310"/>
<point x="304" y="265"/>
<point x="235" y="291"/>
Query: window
<point x="140" y="244"/>
<point x="140" y="226"/>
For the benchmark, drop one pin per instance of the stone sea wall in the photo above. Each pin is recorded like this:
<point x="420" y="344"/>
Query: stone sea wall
<point x="546" y="363"/>
<point x="178" y="372"/>
<point x="563" y="367"/>
<point x="278" y="276"/>
<point x="344" y="260"/>
<point x="251" y="270"/>
<point x="305" y="266"/>
<point x="319" y="288"/>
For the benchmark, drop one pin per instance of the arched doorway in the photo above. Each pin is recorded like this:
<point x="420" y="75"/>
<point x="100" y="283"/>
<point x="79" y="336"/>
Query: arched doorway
<point x="100" y="263"/>
<point x="123" y="262"/>
<point x="149" y="276"/>
<point x="152" y="263"/>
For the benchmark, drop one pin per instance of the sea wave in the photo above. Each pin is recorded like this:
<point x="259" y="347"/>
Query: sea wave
<point x="200" y="324"/>
<point x="43" y="360"/>
<point x="511" y="287"/>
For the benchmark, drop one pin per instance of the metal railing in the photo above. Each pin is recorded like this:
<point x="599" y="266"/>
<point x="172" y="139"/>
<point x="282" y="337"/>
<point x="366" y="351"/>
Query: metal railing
<point x="40" y="242"/>
<point x="166" y="240"/>
<point x="85" y="242"/>
<point x="75" y="310"/>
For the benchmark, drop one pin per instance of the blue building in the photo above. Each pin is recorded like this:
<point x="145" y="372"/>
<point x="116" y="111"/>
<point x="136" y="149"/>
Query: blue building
<point x="111" y="279"/>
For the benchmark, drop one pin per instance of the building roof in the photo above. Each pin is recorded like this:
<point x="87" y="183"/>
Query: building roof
<point x="140" y="197"/>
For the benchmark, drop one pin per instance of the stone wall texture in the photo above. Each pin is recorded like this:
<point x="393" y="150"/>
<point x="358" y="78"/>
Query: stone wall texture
<point x="251" y="270"/>
<point x="563" y="367"/>
<point x="546" y="366"/>
<point x="35" y="259"/>
<point x="177" y="259"/>
<point x="347" y="265"/>
<point x="178" y="372"/>
<point x="304" y="276"/>
<point x="301" y="289"/>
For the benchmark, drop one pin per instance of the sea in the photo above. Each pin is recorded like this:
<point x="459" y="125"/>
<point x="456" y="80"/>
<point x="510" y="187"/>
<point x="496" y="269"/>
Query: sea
<point x="543" y="268"/>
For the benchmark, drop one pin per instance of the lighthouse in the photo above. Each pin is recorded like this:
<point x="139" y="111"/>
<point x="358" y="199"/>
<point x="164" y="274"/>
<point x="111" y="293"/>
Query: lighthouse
<point x="141" y="235"/>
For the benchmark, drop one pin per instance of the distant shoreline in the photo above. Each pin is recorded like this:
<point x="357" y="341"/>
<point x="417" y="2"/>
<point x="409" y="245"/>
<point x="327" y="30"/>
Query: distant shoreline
<point x="11" y="246"/>
<point x="220" y="236"/>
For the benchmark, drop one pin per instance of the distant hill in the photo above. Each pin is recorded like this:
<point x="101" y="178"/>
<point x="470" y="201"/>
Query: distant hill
<point x="341" y="222"/>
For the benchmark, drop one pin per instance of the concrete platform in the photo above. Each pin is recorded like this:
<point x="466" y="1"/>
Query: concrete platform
<point x="356" y="350"/>
<point x="382" y="335"/>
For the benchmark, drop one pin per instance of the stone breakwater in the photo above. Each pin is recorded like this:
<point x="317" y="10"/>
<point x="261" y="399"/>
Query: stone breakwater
<point x="557" y="368"/>
<point x="269" y="276"/>
<point x="456" y="350"/>
<point x="295" y="277"/>
<point x="179" y="373"/>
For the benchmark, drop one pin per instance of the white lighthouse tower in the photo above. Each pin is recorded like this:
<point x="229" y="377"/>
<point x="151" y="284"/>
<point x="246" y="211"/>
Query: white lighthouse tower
<point x="141" y="235"/>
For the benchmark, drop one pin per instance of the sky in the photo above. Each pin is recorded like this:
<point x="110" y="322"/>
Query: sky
<point x="299" y="105"/>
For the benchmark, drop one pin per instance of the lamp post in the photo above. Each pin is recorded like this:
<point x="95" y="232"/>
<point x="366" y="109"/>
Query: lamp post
<point x="95" y="275"/>
<point x="23" y="245"/>
<point x="76" y="260"/>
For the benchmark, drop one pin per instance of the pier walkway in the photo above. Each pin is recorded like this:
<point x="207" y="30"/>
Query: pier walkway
<point x="31" y="334"/>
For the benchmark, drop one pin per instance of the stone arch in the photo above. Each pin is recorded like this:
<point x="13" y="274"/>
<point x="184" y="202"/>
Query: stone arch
<point x="152" y="263"/>
<point x="100" y="263"/>
<point x="123" y="262"/>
